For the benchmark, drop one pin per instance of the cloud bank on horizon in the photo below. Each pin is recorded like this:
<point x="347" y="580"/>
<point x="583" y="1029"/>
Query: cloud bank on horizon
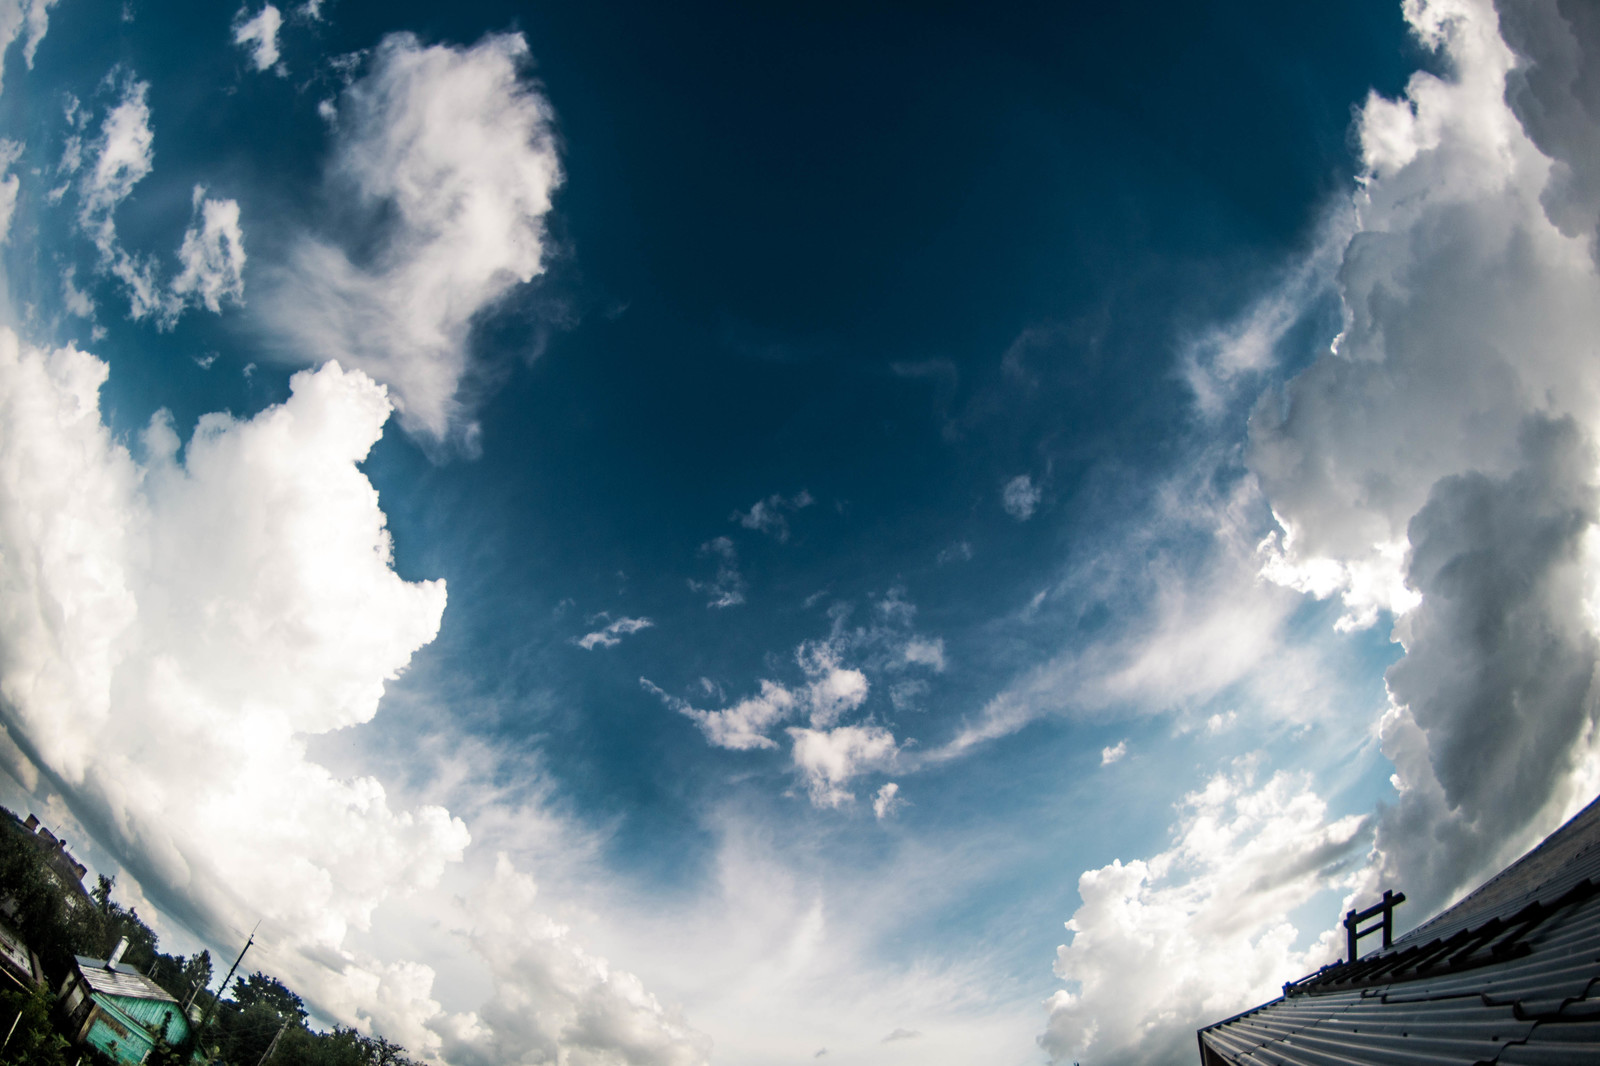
<point x="191" y="619"/>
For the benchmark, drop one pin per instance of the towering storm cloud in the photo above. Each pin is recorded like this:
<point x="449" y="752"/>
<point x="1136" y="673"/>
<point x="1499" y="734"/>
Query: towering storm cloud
<point x="1453" y="420"/>
<point x="1435" y="469"/>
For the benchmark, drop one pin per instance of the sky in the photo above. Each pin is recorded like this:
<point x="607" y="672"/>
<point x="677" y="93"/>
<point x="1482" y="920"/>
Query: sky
<point x="755" y="534"/>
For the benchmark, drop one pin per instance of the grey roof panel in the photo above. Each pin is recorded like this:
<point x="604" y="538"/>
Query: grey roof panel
<point x="120" y="982"/>
<point x="1509" y="975"/>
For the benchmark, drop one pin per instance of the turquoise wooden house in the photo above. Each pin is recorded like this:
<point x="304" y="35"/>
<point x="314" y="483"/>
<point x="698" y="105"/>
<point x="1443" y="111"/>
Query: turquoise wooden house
<point x="119" y="1010"/>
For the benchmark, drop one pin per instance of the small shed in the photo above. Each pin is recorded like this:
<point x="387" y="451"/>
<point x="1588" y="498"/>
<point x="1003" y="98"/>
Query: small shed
<point x="1508" y="976"/>
<point x="118" y="1010"/>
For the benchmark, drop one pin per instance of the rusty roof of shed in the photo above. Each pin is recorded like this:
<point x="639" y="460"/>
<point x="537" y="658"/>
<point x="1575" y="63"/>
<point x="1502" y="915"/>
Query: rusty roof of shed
<point x="1509" y="975"/>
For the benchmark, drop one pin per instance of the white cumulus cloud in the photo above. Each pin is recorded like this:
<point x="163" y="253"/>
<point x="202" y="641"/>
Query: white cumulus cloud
<point x="171" y="629"/>
<point x="212" y="255"/>
<point x="1197" y="932"/>
<point x="887" y="800"/>
<point x="174" y="628"/>
<point x="1020" y="497"/>
<point x="259" y="35"/>
<point x="829" y="758"/>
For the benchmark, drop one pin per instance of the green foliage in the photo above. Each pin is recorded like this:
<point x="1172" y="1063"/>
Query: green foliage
<point x="182" y="976"/>
<point x="33" y="1040"/>
<point x="59" y="921"/>
<point x="341" y="1047"/>
<point x="258" y="988"/>
<point x="116" y="922"/>
<point x="245" y="1025"/>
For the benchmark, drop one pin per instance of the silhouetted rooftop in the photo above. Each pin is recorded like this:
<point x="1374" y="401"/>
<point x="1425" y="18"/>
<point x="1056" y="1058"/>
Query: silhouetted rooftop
<point x="1504" y="976"/>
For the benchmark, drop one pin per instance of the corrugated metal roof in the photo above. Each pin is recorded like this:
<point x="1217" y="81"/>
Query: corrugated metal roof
<point x="119" y="982"/>
<point x="1509" y="975"/>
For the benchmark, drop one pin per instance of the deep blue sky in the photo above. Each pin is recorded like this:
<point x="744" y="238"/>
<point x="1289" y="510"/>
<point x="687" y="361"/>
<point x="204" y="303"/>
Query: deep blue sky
<point x="765" y="213"/>
<point x="892" y="257"/>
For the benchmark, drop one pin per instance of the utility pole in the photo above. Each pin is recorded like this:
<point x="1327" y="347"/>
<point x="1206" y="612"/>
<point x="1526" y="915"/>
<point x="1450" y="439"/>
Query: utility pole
<point x="212" y="1006"/>
<point x="13" y="1029"/>
<point x="265" y="1055"/>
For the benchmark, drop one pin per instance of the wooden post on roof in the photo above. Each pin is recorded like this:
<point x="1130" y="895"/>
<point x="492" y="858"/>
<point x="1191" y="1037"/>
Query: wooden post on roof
<point x="1353" y="919"/>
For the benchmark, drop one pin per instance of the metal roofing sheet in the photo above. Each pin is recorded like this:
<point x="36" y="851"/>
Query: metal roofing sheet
<point x="120" y="982"/>
<point x="1535" y="1002"/>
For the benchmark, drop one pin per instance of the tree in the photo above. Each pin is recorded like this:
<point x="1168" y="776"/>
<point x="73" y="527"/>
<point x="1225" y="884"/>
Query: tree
<point x="118" y="922"/>
<point x="246" y="1024"/>
<point x="33" y="1039"/>
<point x="258" y="988"/>
<point x="56" y="920"/>
<point x="340" y="1047"/>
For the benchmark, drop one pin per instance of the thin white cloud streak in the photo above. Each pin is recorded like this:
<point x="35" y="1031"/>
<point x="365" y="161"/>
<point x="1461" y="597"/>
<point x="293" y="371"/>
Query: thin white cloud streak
<point x="611" y="635"/>
<point x="173" y="631"/>
<point x="448" y="157"/>
<point x="1232" y="358"/>
<point x="768" y="515"/>
<point x="743" y="726"/>
<point x="1194" y="628"/>
<point x="790" y="955"/>
<point x="10" y="185"/>
<point x="727" y="589"/>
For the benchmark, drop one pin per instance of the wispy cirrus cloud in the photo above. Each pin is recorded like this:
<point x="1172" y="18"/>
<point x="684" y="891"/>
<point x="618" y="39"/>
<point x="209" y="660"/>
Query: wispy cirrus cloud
<point x="211" y="255"/>
<point x="443" y="164"/>
<point x="611" y="634"/>
<point x="768" y="515"/>
<point x="727" y="588"/>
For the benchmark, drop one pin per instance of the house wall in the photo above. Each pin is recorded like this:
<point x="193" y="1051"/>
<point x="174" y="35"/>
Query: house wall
<point x="129" y="1044"/>
<point x="123" y="1027"/>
